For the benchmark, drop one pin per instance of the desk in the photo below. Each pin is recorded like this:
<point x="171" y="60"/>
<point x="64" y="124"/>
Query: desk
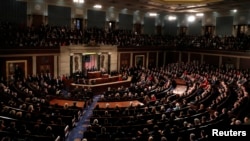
<point x="180" y="82"/>
<point x="105" y="76"/>
<point x="94" y="74"/>
<point x="103" y="80"/>
<point x="100" y="88"/>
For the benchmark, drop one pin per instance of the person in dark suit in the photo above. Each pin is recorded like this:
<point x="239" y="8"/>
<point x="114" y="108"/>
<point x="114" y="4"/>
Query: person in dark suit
<point x="104" y="135"/>
<point x="18" y="73"/>
<point x="90" y="133"/>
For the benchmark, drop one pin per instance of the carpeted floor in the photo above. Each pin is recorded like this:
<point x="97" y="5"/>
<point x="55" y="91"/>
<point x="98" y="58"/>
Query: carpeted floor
<point x="76" y="134"/>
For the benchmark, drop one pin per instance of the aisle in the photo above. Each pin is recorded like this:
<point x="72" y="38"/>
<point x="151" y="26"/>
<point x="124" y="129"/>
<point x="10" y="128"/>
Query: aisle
<point x="76" y="134"/>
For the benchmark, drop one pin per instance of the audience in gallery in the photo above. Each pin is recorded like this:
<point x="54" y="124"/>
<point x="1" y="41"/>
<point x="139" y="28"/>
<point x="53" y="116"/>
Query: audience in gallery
<point x="214" y="95"/>
<point x="56" y="36"/>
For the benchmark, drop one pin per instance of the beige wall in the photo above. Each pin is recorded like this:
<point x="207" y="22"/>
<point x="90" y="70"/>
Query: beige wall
<point x="66" y="51"/>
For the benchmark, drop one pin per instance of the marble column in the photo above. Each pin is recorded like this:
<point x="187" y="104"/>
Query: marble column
<point x="55" y="66"/>
<point x="157" y="60"/>
<point x="220" y="61"/>
<point x="164" y="58"/>
<point x="189" y="57"/>
<point x="34" y="71"/>
<point x="180" y="56"/>
<point x="98" y="61"/>
<point x="109" y="59"/>
<point x="146" y="64"/>
<point x="71" y="64"/>
<point x="202" y="59"/>
<point x="237" y="63"/>
<point x="131" y="59"/>
<point x="84" y="71"/>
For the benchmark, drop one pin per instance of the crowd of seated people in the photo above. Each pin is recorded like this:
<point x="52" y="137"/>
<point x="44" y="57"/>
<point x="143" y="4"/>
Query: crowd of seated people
<point x="213" y="97"/>
<point x="26" y="112"/>
<point x="229" y="42"/>
<point x="55" y="36"/>
<point x="148" y="81"/>
<point x="43" y="36"/>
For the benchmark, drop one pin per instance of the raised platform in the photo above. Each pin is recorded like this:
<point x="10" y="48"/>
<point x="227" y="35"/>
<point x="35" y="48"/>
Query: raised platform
<point x="94" y="74"/>
<point x="101" y="104"/>
<point x="121" y="104"/>
<point x="180" y="81"/>
<point x="102" y="87"/>
<point x="104" y="79"/>
<point x="181" y="86"/>
<point x="180" y="89"/>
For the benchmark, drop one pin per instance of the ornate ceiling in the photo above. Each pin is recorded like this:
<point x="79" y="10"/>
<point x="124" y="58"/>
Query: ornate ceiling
<point x="181" y="5"/>
<point x="159" y="6"/>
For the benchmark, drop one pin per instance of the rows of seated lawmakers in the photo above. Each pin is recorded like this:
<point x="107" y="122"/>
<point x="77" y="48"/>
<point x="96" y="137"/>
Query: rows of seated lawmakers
<point x="212" y="94"/>
<point x="214" y="97"/>
<point x="56" y="36"/>
<point x="27" y="114"/>
<point x="143" y="82"/>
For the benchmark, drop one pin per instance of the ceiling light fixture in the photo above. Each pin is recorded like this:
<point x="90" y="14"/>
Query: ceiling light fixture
<point x="191" y="18"/>
<point x="78" y="1"/>
<point x="172" y="18"/>
<point x="152" y="14"/>
<point x="97" y="6"/>
<point x="199" y="14"/>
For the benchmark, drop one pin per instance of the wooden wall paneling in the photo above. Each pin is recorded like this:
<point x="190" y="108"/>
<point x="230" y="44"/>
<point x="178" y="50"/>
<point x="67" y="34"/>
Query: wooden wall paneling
<point x="211" y="59"/>
<point x="152" y="59"/>
<point x="137" y="28"/>
<point x="159" y="30"/>
<point x="2" y="69"/>
<point x="184" y="57"/>
<point x="244" y="63"/>
<point x="195" y="57"/>
<point x="16" y="69"/>
<point x="230" y="62"/>
<point x="172" y="57"/>
<point x="168" y="58"/>
<point x="160" y="59"/>
<point x="45" y="64"/>
<point x="8" y="61"/>
<point x="37" y="20"/>
<point x="140" y="58"/>
<point x="125" y="60"/>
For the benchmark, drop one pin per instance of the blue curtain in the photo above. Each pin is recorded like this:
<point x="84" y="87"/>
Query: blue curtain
<point x="125" y="21"/>
<point x="96" y="19"/>
<point x="13" y="11"/>
<point x="224" y="25"/>
<point x="194" y="28"/>
<point x="149" y="25"/>
<point x="170" y="28"/>
<point x="59" y="16"/>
